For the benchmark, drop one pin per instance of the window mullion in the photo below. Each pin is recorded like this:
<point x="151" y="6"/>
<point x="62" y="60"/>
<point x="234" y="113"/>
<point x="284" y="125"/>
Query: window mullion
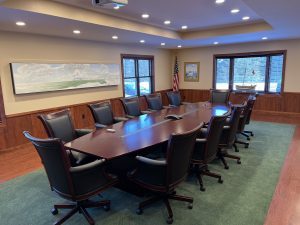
<point x="137" y="75"/>
<point x="267" y="75"/>
<point x="231" y="74"/>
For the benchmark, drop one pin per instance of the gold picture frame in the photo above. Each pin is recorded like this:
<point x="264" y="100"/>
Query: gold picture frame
<point x="191" y="71"/>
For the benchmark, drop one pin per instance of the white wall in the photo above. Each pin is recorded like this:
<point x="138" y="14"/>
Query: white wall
<point x="205" y="55"/>
<point x="19" y="47"/>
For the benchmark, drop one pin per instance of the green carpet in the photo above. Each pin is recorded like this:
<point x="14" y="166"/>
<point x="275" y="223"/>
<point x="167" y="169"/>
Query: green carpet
<point x="243" y="198"/>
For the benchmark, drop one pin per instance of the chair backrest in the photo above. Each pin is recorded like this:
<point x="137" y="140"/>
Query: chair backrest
<point x="174" y="98"/>
<point x="56" y="163"/>
<point x="253" y="99"/>
<point x="179" y="152"/>
<point x="245" y="113"/>
<point x="219" y="96"/>
<point x="59" y="125"/>
<point x="154" y="101"/>
<point x="233" y="123"/>
<point x="214" y="132"/>
<point x="102" y="113"/>
<point x="131" y="106"/>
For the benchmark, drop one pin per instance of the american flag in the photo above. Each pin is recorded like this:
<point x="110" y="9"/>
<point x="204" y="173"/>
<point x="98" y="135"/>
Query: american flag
<point x="175" y="76"/>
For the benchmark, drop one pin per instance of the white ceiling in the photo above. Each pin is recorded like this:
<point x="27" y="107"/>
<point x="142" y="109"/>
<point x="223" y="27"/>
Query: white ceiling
<point x="207" y="21"/>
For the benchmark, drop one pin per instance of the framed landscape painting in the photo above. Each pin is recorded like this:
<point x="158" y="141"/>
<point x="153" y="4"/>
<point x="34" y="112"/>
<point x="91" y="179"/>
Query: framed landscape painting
<point x="38" y="77"/>
<point x="191" y="71"/>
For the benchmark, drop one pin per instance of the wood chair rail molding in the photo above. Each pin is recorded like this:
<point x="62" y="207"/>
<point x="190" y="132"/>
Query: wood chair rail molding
<point x="11" y="133"/>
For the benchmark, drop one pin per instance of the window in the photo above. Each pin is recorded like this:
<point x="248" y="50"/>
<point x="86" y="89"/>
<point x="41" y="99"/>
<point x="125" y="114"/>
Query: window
<point x="137" y="75"/>
<point x="262" y="72"/>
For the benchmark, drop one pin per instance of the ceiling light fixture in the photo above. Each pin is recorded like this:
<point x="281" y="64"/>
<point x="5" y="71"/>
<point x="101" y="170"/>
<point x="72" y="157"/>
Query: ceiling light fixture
<point x="115" y="37"/>
<point x="184" y="27"/>
<point x="216" y="43"/>
<point x="234" y="11"/>
<point x="179" y="46"/>
<point x="76" y="31"/>
<point x="145" y="16"/>
<point x="220" y="2"/>
<point x="265" y="38"/>
<point x="142" y="41"/>
<point x="246" y="18"/>
<point x="167" y="22"/>
<point x="162" y="44"/>
<point x="21" y="23"/>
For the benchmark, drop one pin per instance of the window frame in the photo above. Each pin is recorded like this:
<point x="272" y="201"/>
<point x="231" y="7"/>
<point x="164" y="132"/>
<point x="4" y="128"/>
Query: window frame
<point x="267" y="54"/>
<point x="2" y="110"/>
<point x="151" y="68"/>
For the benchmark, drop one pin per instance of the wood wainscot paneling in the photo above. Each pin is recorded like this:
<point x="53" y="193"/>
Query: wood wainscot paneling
<point x="11" y="133"/>
<point x="288" y="102"/>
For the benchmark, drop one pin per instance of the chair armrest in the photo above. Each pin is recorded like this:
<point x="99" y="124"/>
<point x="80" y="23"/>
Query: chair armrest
<point x="201" y="140"/>
<point x="146" y="112"/>
<point x="88" y="166"/>
<point x="120" y="119"/>
<point x="99" y="125"/>
<point x="152" y="162"/>
<point x="81" y="132"/>
<point x="130" y="117"/>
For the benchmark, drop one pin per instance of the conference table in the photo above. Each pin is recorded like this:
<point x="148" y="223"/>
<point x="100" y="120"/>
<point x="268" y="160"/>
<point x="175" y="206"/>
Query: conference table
<point x="132" y="136"/>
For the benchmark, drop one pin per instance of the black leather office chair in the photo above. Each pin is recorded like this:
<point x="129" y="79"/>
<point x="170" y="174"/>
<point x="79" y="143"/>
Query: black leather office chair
<point x="207" y="149"/>
<point x="164" y="175"/>
<point x="154" y="101"/>
<point x="103" y="115"/>
<point x="219" y="96"/>
<point x="132" y="107"/>
<point x="76" y="184"/>
<point x="59" y="125"/>
<point x="228" y="136"/>
<point x="243" y="120"/>
<point x="246" y="133"/>
<point x="175" y="98"/>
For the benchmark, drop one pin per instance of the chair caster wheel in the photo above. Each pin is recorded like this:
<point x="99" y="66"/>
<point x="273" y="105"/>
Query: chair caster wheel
<point x="247" y="145"/>
<point x="252" y="135"/>
<point x="237" y="150"/>
<point x="248" y="139"/>
<point x="190" y="206"/>
<point x="139" y="211"/>
<point x="106" y="207"/>
<point x="202" y="188"/>
<point x="226" y="167"/>
<point x="220" y="181"/>
<point x="170" y="220"/>
<point x="239" y="162"/>
<point x="54" y="211"/>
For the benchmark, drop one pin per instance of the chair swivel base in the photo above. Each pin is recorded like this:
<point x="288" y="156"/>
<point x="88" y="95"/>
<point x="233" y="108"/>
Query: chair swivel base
<point x="81" y="208"/>
<point x="165" y="198"/>
<point x="246" y="144"/>
<point x="249" y="132"/>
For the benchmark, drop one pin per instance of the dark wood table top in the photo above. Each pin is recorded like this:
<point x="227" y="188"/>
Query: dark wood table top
<point x="144" y="131"/>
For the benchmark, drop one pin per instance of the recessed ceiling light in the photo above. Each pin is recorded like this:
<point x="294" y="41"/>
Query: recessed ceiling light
<point x="216" y="43"/>
<point x="220" y="1"/>
<point x="184" y="27"/>
<point x="145" y="16"/>
<point x="162" y="44"/>
<point x="142" y="41"/>
<point x="234" y="11"/>
<point x="116" y="7"/>
<point x="21" y="23"/>
<point x="265" y="38"/>
<point x="115" y="37"/>
<point x="179" y="46"/>
<point x="246" y="18"/>
<point x="76" y="31"/>
<point x="167" y="22"/>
